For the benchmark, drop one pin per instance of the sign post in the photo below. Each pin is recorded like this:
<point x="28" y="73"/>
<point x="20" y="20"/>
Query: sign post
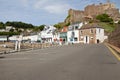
<point x="18" y="43"/>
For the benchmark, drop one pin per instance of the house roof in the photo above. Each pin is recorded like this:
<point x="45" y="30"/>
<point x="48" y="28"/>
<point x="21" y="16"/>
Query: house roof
<point x="90" y="25"/>
<point x="64" y="29"/>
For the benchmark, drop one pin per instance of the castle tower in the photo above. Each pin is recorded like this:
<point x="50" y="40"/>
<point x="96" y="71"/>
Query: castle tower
<point x="108" y="1"/>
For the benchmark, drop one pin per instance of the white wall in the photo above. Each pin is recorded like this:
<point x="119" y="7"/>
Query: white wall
<point x="100" y="34"/>
<point x="69" y="33"/>
<point x="33" y="37"/>
<point x="3" y="38"/>
<point x="13" y="38"/>
<point x="48" y="33"/>
<point x="71" y="29"/>
<point x="56" y="36"/>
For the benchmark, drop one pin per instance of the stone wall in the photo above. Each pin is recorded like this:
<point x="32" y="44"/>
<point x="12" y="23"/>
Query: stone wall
<point x="91" y="11"/>
<point x="114" y="37"/>
<point x="74" y="16"/>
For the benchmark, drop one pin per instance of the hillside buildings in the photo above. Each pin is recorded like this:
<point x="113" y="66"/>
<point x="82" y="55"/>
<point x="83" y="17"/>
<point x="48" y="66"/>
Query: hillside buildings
<point x="49" y="34"/>
<point x="91" y="33"/>
<point x="73" y="32"/>
<point x="82" y="32"/>
<point x="63" y="35"/>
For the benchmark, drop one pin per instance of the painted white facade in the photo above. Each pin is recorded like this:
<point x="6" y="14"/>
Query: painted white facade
<point x="13" y="38"/>
<point x="16" y="37"/>
<point x="49" y="34"/>
<point x="76" y="36"/>
<point x="3" y="38"/>
<point x="100" y="35"/>
<point x="33" y="38"/>
<point x="73" y="32"/>
<point x="97" y="36"/>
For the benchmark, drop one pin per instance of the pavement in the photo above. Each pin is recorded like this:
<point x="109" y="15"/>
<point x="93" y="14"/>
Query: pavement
<point x="115" y="50"/>
<point x="73" y="62"/>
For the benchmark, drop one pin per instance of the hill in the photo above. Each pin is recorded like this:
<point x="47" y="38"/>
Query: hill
<point x="114" y="37"/>
<point x="91" y="11"/>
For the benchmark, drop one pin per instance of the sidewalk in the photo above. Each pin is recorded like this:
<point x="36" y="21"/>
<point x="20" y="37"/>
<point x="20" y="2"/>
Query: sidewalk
<point x="115" y="50"/>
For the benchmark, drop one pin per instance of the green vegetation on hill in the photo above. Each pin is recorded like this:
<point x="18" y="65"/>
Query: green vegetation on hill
<point x="9" y="33"/>
<point x="104" y="18"/>
<point x="119" y="22"/>
<point x="108" y="27"/>
<point x="39" y="28"/>
<point x="2" y="25"/>
<point x="60" y="25"/>
<point x="106" y="22"/>
<point x="19" y="25"/>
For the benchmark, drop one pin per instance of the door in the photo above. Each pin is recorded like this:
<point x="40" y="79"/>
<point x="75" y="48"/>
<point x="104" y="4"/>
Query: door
<point x="86" y="39"/>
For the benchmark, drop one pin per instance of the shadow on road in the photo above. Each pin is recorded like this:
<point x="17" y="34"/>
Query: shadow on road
<point x="1" y="57"/>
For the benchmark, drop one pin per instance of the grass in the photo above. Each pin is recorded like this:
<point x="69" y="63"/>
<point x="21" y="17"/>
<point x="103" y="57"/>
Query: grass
<point x="107" y="26"/>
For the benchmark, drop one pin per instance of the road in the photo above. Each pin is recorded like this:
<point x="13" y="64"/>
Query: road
<point x="74" y="62"/>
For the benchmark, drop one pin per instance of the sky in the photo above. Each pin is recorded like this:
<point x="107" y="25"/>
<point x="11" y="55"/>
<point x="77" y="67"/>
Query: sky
<point x="38" y="12"/>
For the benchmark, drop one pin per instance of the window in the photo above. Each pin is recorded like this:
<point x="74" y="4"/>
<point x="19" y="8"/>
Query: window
<point x="72" y="27"/>
<point x="75" y="39"/>
<point x="76" y="27"/>
<point x="91" y="38"/>
<point x="99" y="30"/>
<point x="91" y="31"/>
<point x="81" y="32"/>
<point x="72" y="34"/>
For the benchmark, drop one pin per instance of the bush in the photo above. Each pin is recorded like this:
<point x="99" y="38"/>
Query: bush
<point x="119" y="22"/>
<point x="104" y="18"/>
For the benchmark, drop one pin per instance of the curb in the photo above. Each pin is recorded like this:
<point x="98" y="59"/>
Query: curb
<point x="115" y="50"/>
<point x="22" y="50"/>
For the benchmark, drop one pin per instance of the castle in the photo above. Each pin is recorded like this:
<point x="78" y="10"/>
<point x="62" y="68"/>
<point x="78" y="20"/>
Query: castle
<point x="91" y="11"/>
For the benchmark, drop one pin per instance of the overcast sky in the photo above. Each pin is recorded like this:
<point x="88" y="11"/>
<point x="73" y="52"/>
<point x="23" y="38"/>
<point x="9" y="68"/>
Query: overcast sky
<point x="38" y="12"/>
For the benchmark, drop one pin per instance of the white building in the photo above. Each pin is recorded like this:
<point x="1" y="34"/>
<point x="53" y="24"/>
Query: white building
<point x="31" y="38"/>
<point x="49" y="34"/>
<point x="73" y="32"/>
<point x="3" y="38"/>
<point x="8" y="28"/>
<point x="92" y="33"/>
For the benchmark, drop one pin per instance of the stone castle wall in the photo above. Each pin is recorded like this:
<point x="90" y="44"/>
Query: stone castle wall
<point x="92" y="11"/>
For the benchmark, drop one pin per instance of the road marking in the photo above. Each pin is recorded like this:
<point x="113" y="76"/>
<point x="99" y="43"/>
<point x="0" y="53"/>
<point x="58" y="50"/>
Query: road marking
<point x="114" y="53"/>
<point x="22" y="59"/>
<point x="15" y="59"/>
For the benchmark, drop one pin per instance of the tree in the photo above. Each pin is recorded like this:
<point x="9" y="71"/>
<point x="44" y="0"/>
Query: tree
<point x="11" y="30"/>
<point x="8" y="23"/>
<point x="67" y="24"/>
<point x="119" y="22"/>
<point x="58" y="26"/>
<point x="19" y="25"/>
<point x="104" y="18"/>
<point x="39" y="28"/>
<point x="2" y="25"/>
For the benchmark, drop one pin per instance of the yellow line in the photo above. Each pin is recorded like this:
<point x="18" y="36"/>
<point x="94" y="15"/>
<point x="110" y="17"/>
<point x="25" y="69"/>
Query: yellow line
<point x="114" y="53"/>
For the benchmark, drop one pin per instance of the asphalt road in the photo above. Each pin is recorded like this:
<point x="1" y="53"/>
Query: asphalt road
<point x="74" y="62"/>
